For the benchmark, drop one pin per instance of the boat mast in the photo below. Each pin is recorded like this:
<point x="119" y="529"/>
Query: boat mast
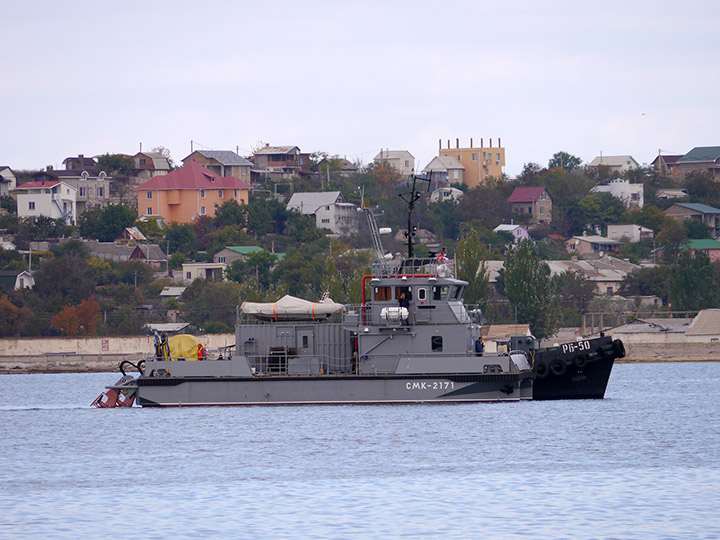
<point x="411" y="198"/>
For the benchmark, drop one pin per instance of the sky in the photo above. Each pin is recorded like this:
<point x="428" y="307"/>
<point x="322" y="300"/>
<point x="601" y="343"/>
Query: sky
<point x="349" y="78"/>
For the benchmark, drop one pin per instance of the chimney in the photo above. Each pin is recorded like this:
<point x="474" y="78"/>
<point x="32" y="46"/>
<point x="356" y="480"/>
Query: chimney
<point x="448" y="144"/>
<point x="49" y="168"/>
<point x="482" y="144"/>
<point x="499" y="142"/>
<point x="457" y="143"/>
<point x="491" y="143"/>
<point x="471" y="142"/>
<point x="439" y="144"/>
<point x="81" y="159"/>
<point x="141" y="148"/>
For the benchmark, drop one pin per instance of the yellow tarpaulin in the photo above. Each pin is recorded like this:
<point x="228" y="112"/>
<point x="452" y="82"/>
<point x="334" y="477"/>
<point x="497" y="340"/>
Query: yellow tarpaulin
<point x="183" y="347"/>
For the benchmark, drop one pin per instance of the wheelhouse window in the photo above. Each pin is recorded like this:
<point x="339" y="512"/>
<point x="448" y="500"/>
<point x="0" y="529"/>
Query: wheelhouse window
<point x="381" y="294"/>
<point x="436" y="343"/>
<point x="440" y="292"/>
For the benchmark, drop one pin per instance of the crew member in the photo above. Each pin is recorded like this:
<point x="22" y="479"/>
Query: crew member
<point x="479" y="346"/>
<point x="403" y="302"/>
<point x="202" y="352"/>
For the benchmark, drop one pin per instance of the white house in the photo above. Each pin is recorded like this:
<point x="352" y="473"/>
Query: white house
<point x="443" y="170"/>
<point x="7" y="181"/>
<point x="446" y="194"/>
<point x="205" y="270"/>
<point x="632" y="232"/>
<point x="16" y="279"/>
<point x="616" y="164"/>
<point x="632" y="195"/>
<point x="401" y="160"/>
<point x="330" y="210"/>
<point x="518" y="232"/>
<point x="53" y="199"/>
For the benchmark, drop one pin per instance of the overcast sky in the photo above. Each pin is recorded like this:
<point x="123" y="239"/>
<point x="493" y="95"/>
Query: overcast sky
<point x="586" y="77"/>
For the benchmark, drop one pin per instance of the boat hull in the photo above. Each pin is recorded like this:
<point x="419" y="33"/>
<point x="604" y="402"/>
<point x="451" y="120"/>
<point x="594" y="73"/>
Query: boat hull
<point x="578" y="370"/>
<point x="204" y="391"/>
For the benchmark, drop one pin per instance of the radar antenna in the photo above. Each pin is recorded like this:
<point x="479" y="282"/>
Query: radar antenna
<point x="411" y="198"/>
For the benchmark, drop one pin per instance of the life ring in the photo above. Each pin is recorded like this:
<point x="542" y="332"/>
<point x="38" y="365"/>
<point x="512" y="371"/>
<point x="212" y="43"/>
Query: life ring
<point x="558" y="367"/>
<point x="541" y="369"/>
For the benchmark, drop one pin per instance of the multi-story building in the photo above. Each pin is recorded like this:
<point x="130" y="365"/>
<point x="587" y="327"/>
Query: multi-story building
<point x="535" y="201"/>
<point x="279" y="162"/>
<point x="54" y="199"/>
<point x="701" y="212"/>
<point x="400" y="160"/>
<point x="222" y="163"/>
<point x="444" y="171"/>
<point x="631" y="195"/>
<point x="7" y="181"/>
<point x="480" y="162"/>
<point x="92" y="185"/>
<point x="329" y="209"/>
<point x="614" y="164"/>
<point x="702" y="159"/>
<point x="187" y="193"/>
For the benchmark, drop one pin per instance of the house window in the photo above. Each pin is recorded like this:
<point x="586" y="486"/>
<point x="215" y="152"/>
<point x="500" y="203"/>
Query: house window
<point x="455" y="174"/>
<point x="221" y="259"/>
<point x="436" y="342"/>
<point x="148" y="195"/>
<point x="325" y="220"/>
<point x="202" y="193"/>
<point x="220" y="194"/>
<point x="188" y="275"/>
<point x="82" y="191"/>
<point x="529" y="209"/>
<point x="498" y="157"/>
<point x="202" y="210"/>
<point x="572" y="247"/>
<point x="99" y="192"/>
<point x="142" y="161"/>
<point x="31" y="205"/>
<point x="542" y="210"/>
<point x="609" y="291"/>
<point x="407" y="163"/>
<point x="474" y="157"/>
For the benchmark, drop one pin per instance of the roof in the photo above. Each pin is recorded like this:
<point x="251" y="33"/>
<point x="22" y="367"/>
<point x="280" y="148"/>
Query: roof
<point x="392" y="154"/>
<point x="167" y="327"/>
<point x="527" y="194"/>
<point x="701" y="154"/>
<point x="192" y="176"/>
<point x="442" y="164"/>
<point x="133" y="233"/>
<point x="504" y="331"/>
<point x="707" y="322"/>
<point x="41" y="184"/>
<point x="699" y="207"/>
<point x="595" y="239"/>
<point x="507" y="227"/>
<point x="703" y="243"/>
<point x="172" y="291"/>
<point x="267" y="150"/>
<point x="160" y="162"/>
<point x="668" y="159"/>
<point x="244" y="250"/>
<point x="611" y="161"/>
<point x="150" y="252"/>
<point x="654" y="326"/>
<point x="224" y="157"/>
<point x="308" y="202"/>
<point x="603" y="270"/>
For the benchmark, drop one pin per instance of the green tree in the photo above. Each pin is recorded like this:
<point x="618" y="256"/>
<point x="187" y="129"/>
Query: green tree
<point x="602" y="209"/>
<point x="648" y="281"/>
<point x="529" y="288"/>
<point x="692" y="284"/>
<point x="649" y="216"/>
<point x="564" y="161"/>
<point x="230" y="213"/>
<point x="106" y="224"/>
<point x="470" y="264"/>
<point x="211" y="302"/>
<point x="116" y="164"/>
<point x="672" y="237"/>
<point x="182" y="238"/>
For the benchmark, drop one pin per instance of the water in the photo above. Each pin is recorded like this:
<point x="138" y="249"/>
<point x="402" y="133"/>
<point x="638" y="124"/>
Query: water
<point x="643" y="463"/>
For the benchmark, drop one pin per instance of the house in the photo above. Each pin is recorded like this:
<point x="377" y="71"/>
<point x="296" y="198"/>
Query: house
<point x="172" y="292"/>
<point x="7" y="181"/>
<point x="703" y="329"/>
<point x="329" y="209"/>
<point x="518" y="232"/>
<point x="130" y="235"/>
<point x="535" y="201"/>
<point x="187" y="193"/>
<point x="446" y="194"/>
<point x="210" y="271"/>
<point x="347" y="167"/>
<point x="480" y="162"/>
<point x="663" y="194"/>
<point x="151" y="254"/>
<point x="700" y="158"/>
<point x="80" y="163"/>
<point x="222" y="163"/>
<point x="6" y="244"/>
<point x="279" y="163"/>
<point x="445" y="170"/>
<point x="702" y="212"/>
<point x="235" y="253"/>
<point x="614" y="165"/>
<point x="665" y="164"/>
<point x="53" y="198"/>
<point x="92" y="186"/>
<point x="400" y="160"/>
<point x="631" y="195"/>
<point x="711" y="248"/>
<point x="423" y="236"/>
<point x="149" y="164"/>
<point x="632" y="232"/>
<point x="591" y="245"/>
<point x="109" y="251"/>
<point x="16" y="280"/>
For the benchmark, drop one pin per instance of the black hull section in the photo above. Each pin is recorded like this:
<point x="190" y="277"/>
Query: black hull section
<point x="577" y="370"/>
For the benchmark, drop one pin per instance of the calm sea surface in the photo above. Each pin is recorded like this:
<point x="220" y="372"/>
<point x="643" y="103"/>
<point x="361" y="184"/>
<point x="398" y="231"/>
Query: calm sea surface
<point x="643" y="463"/>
